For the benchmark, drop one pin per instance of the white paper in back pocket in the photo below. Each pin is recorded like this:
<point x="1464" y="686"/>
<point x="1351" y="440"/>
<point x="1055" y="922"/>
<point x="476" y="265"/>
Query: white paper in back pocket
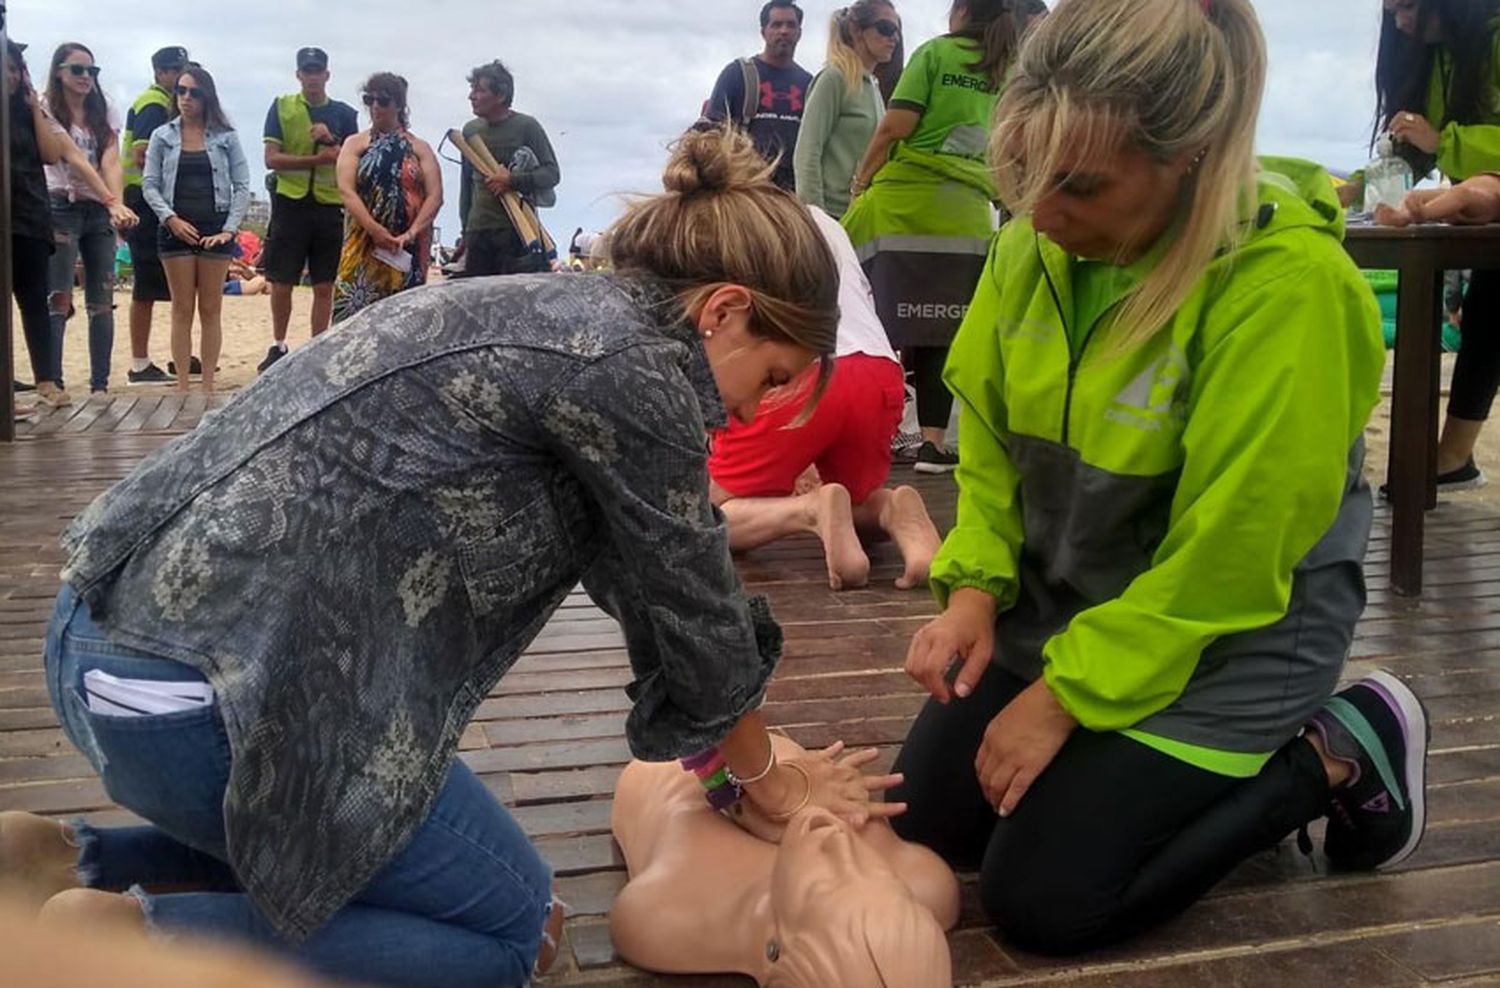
<point x="113" y="696"/>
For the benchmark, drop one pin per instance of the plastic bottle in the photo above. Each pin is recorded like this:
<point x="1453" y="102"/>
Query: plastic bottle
<point x="1387" y="178"/>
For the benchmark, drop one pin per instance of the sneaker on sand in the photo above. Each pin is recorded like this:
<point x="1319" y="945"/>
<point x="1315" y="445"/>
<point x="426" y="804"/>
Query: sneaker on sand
<point x="195" y="367"/>
<point x="272" y="355"/>
<point x="150" y="374"/>
<point x="931" y="459"/>
<point x="1465" y="478"/>
<point x="1380" y="727"/>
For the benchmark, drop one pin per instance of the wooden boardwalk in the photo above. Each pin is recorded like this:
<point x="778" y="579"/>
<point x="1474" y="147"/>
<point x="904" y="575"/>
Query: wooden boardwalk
<point x="549" y="743"/>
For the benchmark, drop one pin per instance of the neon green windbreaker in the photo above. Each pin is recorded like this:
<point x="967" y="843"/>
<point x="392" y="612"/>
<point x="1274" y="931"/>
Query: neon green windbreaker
<point x="1174" y="535"/>
<point x="1466" y="150"/>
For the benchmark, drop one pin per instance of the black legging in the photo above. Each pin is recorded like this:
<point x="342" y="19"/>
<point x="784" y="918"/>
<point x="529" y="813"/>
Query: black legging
<point x="29" y="259"/>
<point x="1113" y="838"/>
<point x="934" y="402"/>
<point x="1476" y="374"/>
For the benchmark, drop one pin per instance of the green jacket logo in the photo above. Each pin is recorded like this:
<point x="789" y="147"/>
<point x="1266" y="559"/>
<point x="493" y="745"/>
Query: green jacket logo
<point x="1157" y="396"/>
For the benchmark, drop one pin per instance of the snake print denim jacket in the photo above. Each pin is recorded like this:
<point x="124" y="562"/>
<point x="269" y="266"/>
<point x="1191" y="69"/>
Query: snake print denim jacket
<point x="359" y="545"/>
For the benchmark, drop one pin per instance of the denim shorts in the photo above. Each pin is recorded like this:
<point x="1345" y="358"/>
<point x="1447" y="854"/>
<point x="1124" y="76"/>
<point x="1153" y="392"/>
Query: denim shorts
<point x="168" y="245"/>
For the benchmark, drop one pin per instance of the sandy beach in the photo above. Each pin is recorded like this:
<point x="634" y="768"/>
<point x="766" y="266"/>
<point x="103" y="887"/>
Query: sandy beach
<point x="247" y="334"/>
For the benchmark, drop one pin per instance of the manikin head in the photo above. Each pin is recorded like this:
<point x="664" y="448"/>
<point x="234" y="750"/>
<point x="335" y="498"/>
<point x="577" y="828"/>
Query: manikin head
<point x="843" y="917"/>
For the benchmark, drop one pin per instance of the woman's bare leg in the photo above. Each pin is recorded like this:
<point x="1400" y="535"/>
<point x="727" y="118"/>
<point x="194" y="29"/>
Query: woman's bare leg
<point x="182" y="280"/>
<point x="902" y="515"/>
<point x="211" y="271"/>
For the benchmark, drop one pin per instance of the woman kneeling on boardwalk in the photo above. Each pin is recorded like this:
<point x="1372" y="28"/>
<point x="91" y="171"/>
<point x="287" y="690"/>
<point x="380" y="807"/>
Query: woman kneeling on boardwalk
<point x="1163" y="379"/>
<point x="272" y="634"/>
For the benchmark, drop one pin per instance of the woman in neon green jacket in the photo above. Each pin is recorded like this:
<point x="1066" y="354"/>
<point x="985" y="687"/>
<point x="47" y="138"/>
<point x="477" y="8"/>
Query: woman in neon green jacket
<point x="1438" y="83"/>
<point x="1155" y="571"/>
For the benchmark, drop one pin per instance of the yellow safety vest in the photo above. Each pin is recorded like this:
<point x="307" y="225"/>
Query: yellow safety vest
<point x="296" y="122"/>
<point x="155" y="96"/>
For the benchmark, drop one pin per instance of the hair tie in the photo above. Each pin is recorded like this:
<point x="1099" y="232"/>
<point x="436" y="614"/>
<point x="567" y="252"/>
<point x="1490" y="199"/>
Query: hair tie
<point x="1208" y="7"/>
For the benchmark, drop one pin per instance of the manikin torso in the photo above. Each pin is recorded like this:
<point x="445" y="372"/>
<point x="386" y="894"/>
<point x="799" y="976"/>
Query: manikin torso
<point x="827" y="906"/>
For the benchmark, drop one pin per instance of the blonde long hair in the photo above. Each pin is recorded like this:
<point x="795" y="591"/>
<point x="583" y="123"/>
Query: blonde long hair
<point x="1171" y="78"/>
<point x="843" y="27"/>
<point x="721" y="221"/>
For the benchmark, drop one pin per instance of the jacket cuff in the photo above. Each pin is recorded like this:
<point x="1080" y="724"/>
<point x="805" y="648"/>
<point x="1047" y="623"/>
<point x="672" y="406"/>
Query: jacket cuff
<point x="660" y="731"/>
<point x="1002" y="590"/>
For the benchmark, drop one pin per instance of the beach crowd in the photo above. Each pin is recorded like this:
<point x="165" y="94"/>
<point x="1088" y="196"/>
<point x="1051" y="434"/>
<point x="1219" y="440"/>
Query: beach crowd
<point x="269" y="638"/>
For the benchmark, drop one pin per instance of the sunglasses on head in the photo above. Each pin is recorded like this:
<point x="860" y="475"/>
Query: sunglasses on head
<point x="887" y="29"/>
<point x="77" y="70"/>
<point x="192" y="91"/>
<point x="382" y="100"/>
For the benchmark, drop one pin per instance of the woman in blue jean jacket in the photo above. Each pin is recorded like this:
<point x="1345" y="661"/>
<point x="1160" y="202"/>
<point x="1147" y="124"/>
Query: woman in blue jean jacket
<point x="198" y="183"/>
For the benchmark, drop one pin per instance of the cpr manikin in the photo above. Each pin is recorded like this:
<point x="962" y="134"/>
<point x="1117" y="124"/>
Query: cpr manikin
<point x="828" y="906"/>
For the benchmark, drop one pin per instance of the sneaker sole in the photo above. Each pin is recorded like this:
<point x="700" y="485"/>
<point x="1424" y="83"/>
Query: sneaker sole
<point x="150" y="384"/>
<point x="933" y="468"/>
<point x="1451" y="488"/>
<point x="1418" y="736"/>
<point x="1462" y="485"/>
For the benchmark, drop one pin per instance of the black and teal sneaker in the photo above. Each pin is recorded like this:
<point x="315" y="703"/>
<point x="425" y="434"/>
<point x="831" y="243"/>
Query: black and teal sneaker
<point x="1377" y="817"/>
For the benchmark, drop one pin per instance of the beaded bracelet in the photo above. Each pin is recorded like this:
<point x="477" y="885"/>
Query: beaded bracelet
<point x="719" y="787"/>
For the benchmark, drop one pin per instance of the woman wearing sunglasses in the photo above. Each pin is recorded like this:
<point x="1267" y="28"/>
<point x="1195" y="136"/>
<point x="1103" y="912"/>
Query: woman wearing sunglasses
<point x="924" y="224"/>
<point x="198" y="183"/>
<point x="844" y="104"/>
<point x="85" y="212"/>
<point x="392" y="189"/>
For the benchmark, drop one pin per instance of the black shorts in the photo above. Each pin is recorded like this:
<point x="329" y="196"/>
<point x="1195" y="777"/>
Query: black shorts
<point x="167" y="244"/>
<point x="303" y="234"/>
<point x="148" y="278"/>
<point x="490" y="252"/>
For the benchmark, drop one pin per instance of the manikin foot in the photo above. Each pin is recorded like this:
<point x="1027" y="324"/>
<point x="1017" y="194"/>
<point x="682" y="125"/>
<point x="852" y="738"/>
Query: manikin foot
<point x="37" y="858"/>
<point x="848" y="566"/>
<point x="906" y="520"/>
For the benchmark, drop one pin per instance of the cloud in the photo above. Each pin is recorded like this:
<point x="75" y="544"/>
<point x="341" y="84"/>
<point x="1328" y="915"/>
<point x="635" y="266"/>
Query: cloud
<point x="613" y="81"/>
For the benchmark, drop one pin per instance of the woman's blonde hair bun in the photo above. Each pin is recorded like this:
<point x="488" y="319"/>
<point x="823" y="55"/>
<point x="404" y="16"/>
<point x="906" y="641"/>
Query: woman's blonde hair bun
<point x="712" y="161"/>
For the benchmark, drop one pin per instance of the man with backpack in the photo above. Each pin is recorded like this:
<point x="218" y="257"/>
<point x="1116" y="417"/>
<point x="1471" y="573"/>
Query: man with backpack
<point x="764" y="94"/>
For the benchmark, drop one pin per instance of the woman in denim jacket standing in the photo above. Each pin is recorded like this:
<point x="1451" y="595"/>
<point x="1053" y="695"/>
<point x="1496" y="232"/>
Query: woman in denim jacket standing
<point x="198" y="183"/>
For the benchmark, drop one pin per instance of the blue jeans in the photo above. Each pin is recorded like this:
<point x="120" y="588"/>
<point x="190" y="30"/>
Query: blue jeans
<point x="82" y="230"/>
<point x="463" y="904"/>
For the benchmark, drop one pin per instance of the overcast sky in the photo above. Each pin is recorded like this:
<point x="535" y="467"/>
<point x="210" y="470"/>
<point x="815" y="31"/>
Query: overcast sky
<point x="611" y="80"/>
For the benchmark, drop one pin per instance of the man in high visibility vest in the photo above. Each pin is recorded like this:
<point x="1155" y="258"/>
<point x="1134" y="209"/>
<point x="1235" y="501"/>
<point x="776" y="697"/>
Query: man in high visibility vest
<point x="151" y="109"/>
<point x="304" y="131"/>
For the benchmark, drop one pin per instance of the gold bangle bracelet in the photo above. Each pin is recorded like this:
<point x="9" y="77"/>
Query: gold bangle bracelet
<point x="786" y="815"/>
<point x="770" y="766"/>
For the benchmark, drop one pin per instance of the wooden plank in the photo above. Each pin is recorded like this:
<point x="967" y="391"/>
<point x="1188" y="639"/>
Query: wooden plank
<point x="165" y="413"/>
<point x="115" y="414"/>
<point x="140" y="414"/>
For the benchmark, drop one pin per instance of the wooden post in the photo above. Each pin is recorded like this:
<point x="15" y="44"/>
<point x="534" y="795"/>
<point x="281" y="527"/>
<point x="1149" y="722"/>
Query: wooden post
<point x="1413" y="456"/>
<point x="7" y="337"/>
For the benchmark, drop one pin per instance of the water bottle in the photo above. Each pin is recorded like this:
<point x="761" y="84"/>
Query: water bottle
<point x="1387" y="179"/>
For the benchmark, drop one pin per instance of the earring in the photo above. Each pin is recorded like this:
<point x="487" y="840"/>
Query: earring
<point x="708" y="334"/>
